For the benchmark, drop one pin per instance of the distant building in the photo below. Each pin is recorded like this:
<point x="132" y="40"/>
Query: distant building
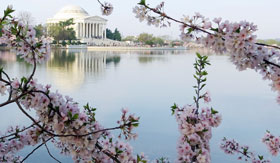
<point x="88" y="29"/>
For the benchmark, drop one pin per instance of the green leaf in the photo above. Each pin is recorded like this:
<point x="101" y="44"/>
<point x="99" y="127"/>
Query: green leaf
<point x="195" y="77"/>
<point x="203" y="80"/>
<point x="135" y="124"/>
<point x="23" y="80"/>
<point x="215" y="29"/>
<point x="138" y="159"/>
<point x="69" y="114"/>
<point x="190" y="30"/>
<point x="173" y="108"/>
<point x="142" y="2"/>
<point x="238" y="30"/>
<point x="76" y="116"/>
<point x="260" y="157"/>
<point x="214" y="111"/>
<point x="203" y="85"/>
<point x="198" y="55"/>
<point x="204" y="73"/>
<point x="8" y="11"/>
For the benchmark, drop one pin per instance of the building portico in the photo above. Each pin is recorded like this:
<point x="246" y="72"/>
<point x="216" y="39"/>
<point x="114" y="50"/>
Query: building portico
<point x="87" y="28"/>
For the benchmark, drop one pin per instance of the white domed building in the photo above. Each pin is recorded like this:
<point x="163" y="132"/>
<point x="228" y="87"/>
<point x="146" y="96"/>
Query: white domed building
<point x="88" y="29"/>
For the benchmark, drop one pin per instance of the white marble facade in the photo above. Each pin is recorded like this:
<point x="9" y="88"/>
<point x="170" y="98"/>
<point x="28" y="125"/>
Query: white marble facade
<point x="87" y="28"/>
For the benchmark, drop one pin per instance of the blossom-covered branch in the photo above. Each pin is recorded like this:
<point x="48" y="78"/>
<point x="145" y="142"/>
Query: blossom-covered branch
<point x="243" y="152"/>
<point x="195" y="123"/>
<point x="234" y="38"/>
<point x="74" y="131"/>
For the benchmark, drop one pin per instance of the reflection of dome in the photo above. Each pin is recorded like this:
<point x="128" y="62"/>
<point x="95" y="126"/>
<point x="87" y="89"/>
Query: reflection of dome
<point x="71" y="11"/>
<point x="68" y="81"/>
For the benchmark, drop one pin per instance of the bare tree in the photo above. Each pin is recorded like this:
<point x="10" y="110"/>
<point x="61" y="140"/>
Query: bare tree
<point x="26" y="18"/>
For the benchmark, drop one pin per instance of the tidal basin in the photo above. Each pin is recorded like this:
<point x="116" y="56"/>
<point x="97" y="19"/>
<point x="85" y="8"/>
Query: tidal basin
<point x="148" y="82"/>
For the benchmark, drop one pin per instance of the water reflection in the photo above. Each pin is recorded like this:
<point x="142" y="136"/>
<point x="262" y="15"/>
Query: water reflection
<point x="115" y="79"/>
<point x="149" y="59"/>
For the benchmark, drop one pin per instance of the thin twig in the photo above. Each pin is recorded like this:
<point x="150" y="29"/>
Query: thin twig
<point x="35" y="150"/>
<point x="3" y="137"/>
<point x="51" y="154"/>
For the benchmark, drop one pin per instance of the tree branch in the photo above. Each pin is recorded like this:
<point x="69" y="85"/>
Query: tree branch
<point x="107" y="153"/>
<point x="35" y="150"/>
<point x="51" y="154"/>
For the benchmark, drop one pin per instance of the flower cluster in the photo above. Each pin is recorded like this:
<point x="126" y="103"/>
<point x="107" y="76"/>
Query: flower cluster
<point x="18" y="139"/>
<point x="272" y="142"/>
<point x="233" y="147"/>
<point x="128" y="123"/>
<point x="144" y="12"/>
<point x="106" y="8"/>
<point x="23" y="40"/>
<point x="195" y="133"/>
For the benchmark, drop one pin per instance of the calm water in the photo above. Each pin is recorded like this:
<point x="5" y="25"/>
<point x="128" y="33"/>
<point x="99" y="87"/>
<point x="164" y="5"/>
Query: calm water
<point x="148" y="83"/>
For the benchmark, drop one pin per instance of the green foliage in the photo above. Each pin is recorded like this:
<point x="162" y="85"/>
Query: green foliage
<point x="149" y="39"/>
<point x="214" y="111"/>
<point x="142" y="2"/>
<point x="90" y="111"/>
<point x="173" y="108"/>
<point x="140" y="159"/>
<point x="116" y="35"/>
<point x="62" y="31"/>
<point x="40" y="30"/>
<point x="72" y="117"/>
<point x="162" y="160"/>
<point x="200" y="76"/>
<point x="63" y="43"/>
<point x="7" y="12"/>
<point x="129" y="38"/>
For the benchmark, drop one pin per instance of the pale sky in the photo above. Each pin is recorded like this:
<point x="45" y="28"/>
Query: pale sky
<point x="264" y="13"/>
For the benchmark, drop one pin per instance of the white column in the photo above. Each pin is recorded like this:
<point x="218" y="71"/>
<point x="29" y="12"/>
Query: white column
<point x="82" y="34"/>
<point x="91" y="31"/>
<point x="101" y="35"/>
<point x="81" y="29"/>
<point x="94" y="29"/>
<point x="88" y="30"/>
<point x="105" y="33"/>
<point x="85" y="31"/>
<point x="98" y="30"/>
<point x="78" y="30"/>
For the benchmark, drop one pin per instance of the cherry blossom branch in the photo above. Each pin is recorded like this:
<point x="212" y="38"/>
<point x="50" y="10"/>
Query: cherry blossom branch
<point x="164" y="15"/>
<point x="13" y="100"/>
<point x="267" y="45"/>
<point x="107" y="153"/>
<point x="233" y="147"/>
<point x="17" y="132"/>
<point x="68" y="135"/>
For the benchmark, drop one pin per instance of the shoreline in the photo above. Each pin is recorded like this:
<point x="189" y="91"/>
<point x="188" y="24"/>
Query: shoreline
<point x="120" y="48"/>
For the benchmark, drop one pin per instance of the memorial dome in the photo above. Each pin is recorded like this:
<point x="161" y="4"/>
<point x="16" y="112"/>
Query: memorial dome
<point x="71" y="11"/>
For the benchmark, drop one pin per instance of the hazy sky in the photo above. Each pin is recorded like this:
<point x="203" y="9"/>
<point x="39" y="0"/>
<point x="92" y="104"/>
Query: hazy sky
<point x="264" y="13"/>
